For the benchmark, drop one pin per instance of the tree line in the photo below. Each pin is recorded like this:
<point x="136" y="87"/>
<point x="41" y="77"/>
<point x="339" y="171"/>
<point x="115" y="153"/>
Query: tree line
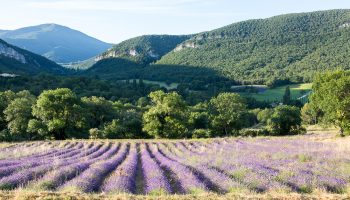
<point x="60" y="114"/>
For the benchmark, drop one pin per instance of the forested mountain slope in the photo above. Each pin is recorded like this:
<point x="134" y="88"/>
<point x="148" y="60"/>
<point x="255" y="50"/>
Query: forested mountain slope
<point x="292" y="46"/>
<point x="144" y="49"/>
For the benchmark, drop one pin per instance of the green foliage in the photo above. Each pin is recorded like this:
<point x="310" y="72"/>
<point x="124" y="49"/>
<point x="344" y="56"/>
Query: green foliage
<point x="264" y="115"/>
<point x="147" y="48"/>
<point x="112" y="130"/>
<point x="201" y="133"/>
<point x="18" y="114"/>
<point x="285" y="120"/>
<point x="331" y="98"/>
<point x="99" y="110"/>
<point x="61" y="111"/>
<point x="227" y="111"/>
<point x="309" y="115"/>
<point x="94" y="134"/>
<point x="288" y="47"/>
<point x="167" y="116"/>
<point x="286" y="96"/>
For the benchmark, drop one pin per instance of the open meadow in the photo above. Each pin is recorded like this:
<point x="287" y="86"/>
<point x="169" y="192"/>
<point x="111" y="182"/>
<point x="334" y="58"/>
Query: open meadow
<point x="315" y="165"/>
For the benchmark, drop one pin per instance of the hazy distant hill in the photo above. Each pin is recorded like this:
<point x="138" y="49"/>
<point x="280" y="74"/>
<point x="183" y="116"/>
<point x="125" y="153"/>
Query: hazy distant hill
<point x="19" y="61"/>
<point x="58" y="43"/>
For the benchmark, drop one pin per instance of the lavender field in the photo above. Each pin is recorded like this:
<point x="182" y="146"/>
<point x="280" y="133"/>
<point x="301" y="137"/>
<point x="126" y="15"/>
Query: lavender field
<point x="300" y="164"/>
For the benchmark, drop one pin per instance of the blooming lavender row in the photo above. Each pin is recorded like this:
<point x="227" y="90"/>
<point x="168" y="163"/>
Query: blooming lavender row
<point x="155" y="180"/>
<point x="36" y="162"/>
<point x="122" y="180"/>
<point x="222" y="182"/>
<point x="189" y="183"/>
<point x="22" y="177"/>
<point x="12" y="161"/>
<point x="55" y="178"/>
<point x="91" y="179"/>
<point x="75" y="148"/>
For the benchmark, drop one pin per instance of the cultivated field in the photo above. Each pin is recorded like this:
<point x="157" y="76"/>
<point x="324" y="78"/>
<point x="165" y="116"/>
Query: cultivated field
<point x="276" y="94"/>
<point x="293" y="166"/>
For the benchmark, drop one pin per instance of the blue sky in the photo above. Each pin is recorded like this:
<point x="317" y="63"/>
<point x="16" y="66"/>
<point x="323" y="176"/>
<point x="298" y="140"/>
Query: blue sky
<point x="116" y="20"/>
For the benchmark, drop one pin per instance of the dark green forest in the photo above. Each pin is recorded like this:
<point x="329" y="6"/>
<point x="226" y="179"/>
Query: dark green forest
<point x="289" y="47"/>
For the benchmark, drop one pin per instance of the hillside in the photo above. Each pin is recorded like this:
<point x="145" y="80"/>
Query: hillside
<point x="19" y="61"/>
<point x="144" y="49"/>
<point x="292" y="46"/>
<point x="58" y="43"/>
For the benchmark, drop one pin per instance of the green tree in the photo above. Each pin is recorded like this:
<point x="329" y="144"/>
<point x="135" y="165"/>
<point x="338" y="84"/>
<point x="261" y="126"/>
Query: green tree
<point x="113" y="130"/>
<point x="286" y="96"/>
<point x="331" y="96"/>
<point x="18" y="114"/>
<point x="309" y="114"/>
<point x="284" y="120"/>
<point x="38" y="128"/>
<point x="5" y="98"/>
<point x="264" y="115"/>
<point x="227" y="113"/>
<point x="60" y="110"/>
<point x="99" y="110"/>
<point x="167" y="117"/>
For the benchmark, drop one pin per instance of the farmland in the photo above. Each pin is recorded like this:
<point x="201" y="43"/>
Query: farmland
<point x="276" y="94"/>
<point x="289" y="165"/>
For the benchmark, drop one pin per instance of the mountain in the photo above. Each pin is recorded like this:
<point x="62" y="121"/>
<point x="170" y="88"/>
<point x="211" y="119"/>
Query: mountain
<point x="58" y="43"/>
<point x="144" y="49"/>
<point x="292" y="46"/>
<point x="20" y="61"/>
<point x="128" y="58"/>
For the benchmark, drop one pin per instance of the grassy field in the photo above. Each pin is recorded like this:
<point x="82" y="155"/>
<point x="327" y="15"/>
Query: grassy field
<point x="276" y="94"/>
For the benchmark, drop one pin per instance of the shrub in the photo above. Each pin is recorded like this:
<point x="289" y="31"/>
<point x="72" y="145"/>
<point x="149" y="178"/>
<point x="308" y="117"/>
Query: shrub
<point x="201" y="133"/>
<point x="94" y="133"/>
<point x="253" y="132"/>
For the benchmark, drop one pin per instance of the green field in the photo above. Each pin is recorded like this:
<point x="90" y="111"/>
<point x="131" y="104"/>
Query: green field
<point x="276" y="94"/>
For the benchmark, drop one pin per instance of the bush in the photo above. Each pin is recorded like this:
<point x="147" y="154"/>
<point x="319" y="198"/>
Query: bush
<point x="284" y="120"/>
<point x="253" y="132"/>
<point x="5" y="135"/>
<point x="201" y="133"/>
<point x="94" y="134"/>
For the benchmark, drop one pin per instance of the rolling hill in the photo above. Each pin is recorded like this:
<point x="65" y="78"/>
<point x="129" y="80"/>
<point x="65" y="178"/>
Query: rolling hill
<point x="293" y="46"/>
<point x="20" y="61"/>
<point x="144" y="49"/>
<point x="58" y="43"/>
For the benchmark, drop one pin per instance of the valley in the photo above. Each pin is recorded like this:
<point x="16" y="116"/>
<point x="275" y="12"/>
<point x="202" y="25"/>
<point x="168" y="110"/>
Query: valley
<point x="255" y="109"/>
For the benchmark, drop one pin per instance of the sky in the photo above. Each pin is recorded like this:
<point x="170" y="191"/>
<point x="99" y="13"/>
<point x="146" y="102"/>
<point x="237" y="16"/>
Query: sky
<point x="116" y="20"/>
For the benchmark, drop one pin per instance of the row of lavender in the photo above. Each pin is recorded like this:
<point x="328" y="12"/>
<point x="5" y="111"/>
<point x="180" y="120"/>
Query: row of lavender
<point x="182" y="167"/>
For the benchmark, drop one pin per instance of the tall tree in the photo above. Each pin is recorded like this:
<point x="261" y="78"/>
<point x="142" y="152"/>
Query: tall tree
<point x="287" y="96"/>
<point x="227" y="113"/>
<point x="284" y="120"/>
<point x="167" y="117"/>
<point x="99" y="110"/>
<point x="18" y="114"/>
<point x="60" y="111"/>
<point x="331" y="96"/>
<point x="5" y="99"/>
